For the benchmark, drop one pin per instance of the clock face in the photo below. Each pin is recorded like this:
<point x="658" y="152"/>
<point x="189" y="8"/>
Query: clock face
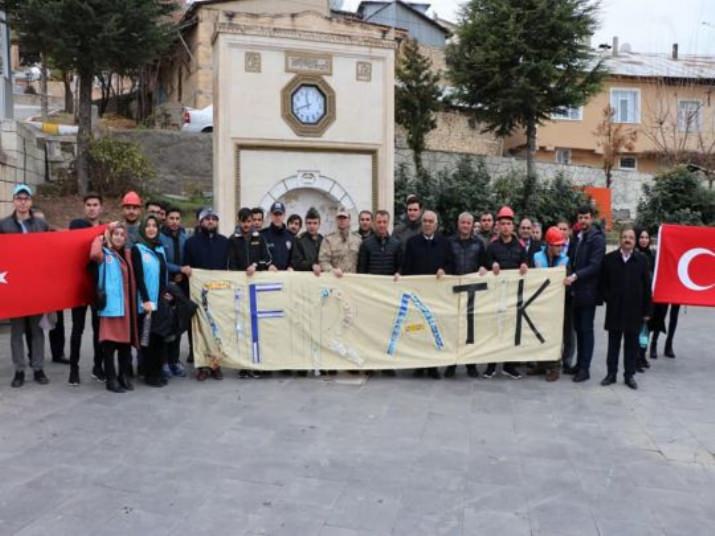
<point x="308" y="104"/>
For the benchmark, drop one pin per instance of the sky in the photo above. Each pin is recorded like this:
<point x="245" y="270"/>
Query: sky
<point x="647" y="25"/>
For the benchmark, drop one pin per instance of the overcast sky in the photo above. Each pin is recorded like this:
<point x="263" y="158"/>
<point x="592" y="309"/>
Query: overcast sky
<point x="647" y="25"/>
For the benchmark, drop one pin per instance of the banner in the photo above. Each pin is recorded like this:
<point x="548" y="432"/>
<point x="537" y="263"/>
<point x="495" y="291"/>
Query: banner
<point x="685" y="266"/>
<point x="295" y="320"/>
<point x="45" y="272"/>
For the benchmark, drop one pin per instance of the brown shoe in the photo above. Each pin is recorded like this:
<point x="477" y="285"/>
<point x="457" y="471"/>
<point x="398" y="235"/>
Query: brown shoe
<point x="202" y="374"/>
<point x="216" y="373"/>
<point x="552" y="375"/>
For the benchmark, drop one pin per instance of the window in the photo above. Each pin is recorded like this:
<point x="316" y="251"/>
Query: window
<point x="568" y="114"/>
<point x="626" y="105"/>
<point x="628" y="163"/>
<point x="563" y="156"/>
<point x="690" y="116"/>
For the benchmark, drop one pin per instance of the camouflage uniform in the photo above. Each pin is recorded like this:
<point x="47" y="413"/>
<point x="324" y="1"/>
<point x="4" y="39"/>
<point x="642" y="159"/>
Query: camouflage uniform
<point x="339" y="250"/>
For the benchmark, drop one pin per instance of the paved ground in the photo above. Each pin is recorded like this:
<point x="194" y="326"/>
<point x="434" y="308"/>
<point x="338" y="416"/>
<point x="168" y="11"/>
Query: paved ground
<point x="393" y="456"/>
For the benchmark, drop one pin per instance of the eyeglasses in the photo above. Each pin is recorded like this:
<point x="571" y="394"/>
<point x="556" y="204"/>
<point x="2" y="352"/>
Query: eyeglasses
<point x="23" y="198"/>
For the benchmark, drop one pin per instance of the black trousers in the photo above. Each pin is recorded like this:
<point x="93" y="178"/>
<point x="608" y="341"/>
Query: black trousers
<point x="630" y="352"/>
<point x="152" y="356"/>
<point x="173" y="349"/>
<point x="57" y="337"/>
<point x="79" y="318"/>
<point x="124" y="356"/>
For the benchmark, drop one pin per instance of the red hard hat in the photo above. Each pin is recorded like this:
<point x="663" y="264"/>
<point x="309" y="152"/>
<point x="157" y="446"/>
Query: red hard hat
<point x="505" y="212"/>
<point x="554" y="237"/>
<point x="131" y="199"/>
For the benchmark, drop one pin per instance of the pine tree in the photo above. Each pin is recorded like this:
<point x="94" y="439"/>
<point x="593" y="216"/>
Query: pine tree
<point x="516" y="63"/>
<point x="417" y="98"/>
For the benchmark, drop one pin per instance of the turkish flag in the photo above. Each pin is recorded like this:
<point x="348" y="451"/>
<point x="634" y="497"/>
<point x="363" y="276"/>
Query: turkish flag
<point x="45" y="272"/>
<point x="685" y="269"/>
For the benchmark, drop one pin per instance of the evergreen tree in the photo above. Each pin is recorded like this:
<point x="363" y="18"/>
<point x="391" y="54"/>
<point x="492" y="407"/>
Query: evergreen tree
<point x="516" y="63"/>
<point x="90" y="36"/>
<point x="417" y="98"/>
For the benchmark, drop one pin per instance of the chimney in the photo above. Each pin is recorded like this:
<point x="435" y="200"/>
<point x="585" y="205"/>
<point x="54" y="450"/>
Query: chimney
<point x="675" y="51"/>
<point x="614" y="49"/>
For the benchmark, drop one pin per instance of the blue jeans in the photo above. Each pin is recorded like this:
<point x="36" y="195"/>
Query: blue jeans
<point x="583" y="325"/>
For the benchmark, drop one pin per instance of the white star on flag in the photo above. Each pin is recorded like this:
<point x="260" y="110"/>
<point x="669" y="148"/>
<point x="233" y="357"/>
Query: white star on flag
<point x="3" y="279"/>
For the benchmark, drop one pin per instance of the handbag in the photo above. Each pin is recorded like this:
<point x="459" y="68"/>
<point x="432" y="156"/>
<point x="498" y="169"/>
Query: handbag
<point x="101" y="292"/>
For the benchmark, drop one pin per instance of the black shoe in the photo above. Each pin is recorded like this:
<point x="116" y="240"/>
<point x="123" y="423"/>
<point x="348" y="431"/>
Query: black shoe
<point x="581" y="376"/>
<point x="418" y="373"/>
<point x="449" y="371"/>
<point x="491" y="370"/>
<point x="639" y="368"/>
<point x="570" y="370"/>
<point x="472" y="371"/>
<point x="433" y="372"/>
<point x="510" y="370"/>
<point x="125" y="383"/>
<point x="98" y="374"/>
<point x="669" y="352"/>
<point x="653" y="350"/>
<point x="631" y="382"/>
<point x="41" y="378"/>
<point x="389" y="372"/>
<point x="114" y="387"/>
<point x="299" y="373"/>
<point x="243" y="374"/>
<point x="608" y="380"/>
<point x="19" y="379"/>
<point x="74" y="376"/>
<point x="153" y="382"/>
<point x="644" y="362"/>
<point x="61" y="360"/>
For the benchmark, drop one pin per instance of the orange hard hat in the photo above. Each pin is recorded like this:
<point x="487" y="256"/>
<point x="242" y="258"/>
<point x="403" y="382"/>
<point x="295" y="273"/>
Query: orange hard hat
<point x="505" y="212"/>
<point x="131" y="199"/>
<point x="554" y="237"/>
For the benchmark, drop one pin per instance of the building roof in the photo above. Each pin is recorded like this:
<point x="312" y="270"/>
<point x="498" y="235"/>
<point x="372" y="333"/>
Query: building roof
<point x="652" y="65"/>
<point x="419" y="9"/>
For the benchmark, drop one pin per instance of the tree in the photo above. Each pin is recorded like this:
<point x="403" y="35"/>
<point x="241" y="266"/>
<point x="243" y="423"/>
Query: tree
<point x="677" y="196"/>
<point x="614" y="139"/>
<point x="91" y="36"/>
<point x="514" y="64"/>
<point x="417" y="98"/>
<point x="466" y="188"/>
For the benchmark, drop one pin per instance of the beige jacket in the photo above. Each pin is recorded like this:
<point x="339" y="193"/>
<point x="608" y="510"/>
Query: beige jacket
<point x="339" y="251"/>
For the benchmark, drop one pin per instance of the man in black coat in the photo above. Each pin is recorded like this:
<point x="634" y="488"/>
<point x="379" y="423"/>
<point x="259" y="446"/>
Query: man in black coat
<point x="280" y="240"/>
<point x="470" y="256"/>
<point x="380" y="253"/>
<point x="428" y="253"/>
<point x="247" y="250"/>
<point x="532" y="246"/>
<point x="307" y="246"/>
<point x="206" y="249"/>
<point x="625" y="287"/>
<point x="586" y="253"/>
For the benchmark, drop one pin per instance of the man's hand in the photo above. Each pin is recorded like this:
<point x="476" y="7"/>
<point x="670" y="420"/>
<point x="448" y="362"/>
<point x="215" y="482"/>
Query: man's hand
<point x="186" y="270"/>
<point x="495" y="268"/>
<point x="337" y="272"/>
<point x="316" y="270"/>
<point x="147" y="307"/>
<point x="396" y="278"/>
<point x="523" y="268"/>
<point x="289" y="269"/>
<point x="272" y="268"/>
<point x="482" y="271"/>
<point x="251" y="269"/>
<point x="570" y="280"/>
<point x="440" y="273"/>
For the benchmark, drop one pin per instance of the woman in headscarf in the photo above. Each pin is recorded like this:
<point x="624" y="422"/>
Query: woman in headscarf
<point x="644" y="246"/>
<point x="149" y="261"/>
<point x="117" y="314"/>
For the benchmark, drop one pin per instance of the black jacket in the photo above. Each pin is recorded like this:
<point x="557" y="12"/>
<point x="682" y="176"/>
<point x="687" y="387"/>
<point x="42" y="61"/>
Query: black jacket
<point x="206" y="250"/>
<point x="173" y="317"/>
<point x="380" y="256"/>
<point x="509" y="255"/>
<point x="625" y="287"/>
<point x="243" y="252"/>
<point x="586" y="253"/>
<point x="469" y="255"/>
<point x="406" y="230"/>
<point x="10" y="225"/>
<point x="425" y="257"/>
<point x="306" y="252"/>
<point x="281" y="244"/>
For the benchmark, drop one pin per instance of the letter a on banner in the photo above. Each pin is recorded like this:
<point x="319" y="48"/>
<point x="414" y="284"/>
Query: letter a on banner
<point x="408" y="297"/>
<point x="256" y="315"/>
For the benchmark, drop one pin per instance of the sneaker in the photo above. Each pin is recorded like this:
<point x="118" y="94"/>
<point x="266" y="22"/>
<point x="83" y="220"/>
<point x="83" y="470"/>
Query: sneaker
<point x="243" y="374"/>
<point x="74" y="377"/>
<point x="255" y="374"/>
<point x="165" y="372"/>
<point x="472" y="371"/>
<point x="19" y="379"/>
<point x="98" y="374"/>
<point x="510" y="371"/>
<point x="178" y="370"/>
<point x="491" y="370"/>
<point x="41" y="378"/>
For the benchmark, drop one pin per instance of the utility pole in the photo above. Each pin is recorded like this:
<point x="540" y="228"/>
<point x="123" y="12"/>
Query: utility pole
<point x="6" y="104"/>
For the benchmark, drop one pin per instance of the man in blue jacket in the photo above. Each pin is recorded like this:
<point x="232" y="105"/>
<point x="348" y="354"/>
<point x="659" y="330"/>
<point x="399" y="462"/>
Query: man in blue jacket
<point x="586" y="253"/>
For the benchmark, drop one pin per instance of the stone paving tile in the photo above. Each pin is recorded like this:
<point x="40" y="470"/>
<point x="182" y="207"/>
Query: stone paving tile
<point x="388" y="456"/>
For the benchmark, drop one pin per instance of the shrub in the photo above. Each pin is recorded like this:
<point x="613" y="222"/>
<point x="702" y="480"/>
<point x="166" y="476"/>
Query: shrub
<point x="118" y="166"/>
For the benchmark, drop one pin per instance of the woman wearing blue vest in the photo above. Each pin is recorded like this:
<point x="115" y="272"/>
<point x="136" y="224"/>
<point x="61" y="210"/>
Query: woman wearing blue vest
<point x="149" y="261"/>
<point x="117" y="318"/>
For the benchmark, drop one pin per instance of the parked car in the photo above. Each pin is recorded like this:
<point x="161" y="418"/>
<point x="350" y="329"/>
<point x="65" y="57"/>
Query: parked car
<point x="198" y="120"/>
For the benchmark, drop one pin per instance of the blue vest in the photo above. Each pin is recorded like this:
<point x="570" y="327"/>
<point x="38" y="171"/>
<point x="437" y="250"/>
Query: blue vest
<point x="113" y="284"/>
<point x="152" y="271"/>
<point x="541" y="259"/>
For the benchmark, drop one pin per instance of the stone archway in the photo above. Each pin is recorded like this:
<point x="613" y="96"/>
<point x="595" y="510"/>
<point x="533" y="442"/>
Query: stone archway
<point x="310" y="189"/>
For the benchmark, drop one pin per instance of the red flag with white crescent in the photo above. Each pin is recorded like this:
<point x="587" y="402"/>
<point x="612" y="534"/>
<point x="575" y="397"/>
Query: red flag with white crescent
<point x="685" y="266"/>
<point x="45" y="272"/>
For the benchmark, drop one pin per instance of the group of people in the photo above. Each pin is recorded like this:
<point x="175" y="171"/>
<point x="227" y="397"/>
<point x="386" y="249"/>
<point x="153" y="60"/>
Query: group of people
<point x="142" y="265"/>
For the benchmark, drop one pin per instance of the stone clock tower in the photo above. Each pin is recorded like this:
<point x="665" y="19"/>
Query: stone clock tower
<point x="304" y="114"/>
